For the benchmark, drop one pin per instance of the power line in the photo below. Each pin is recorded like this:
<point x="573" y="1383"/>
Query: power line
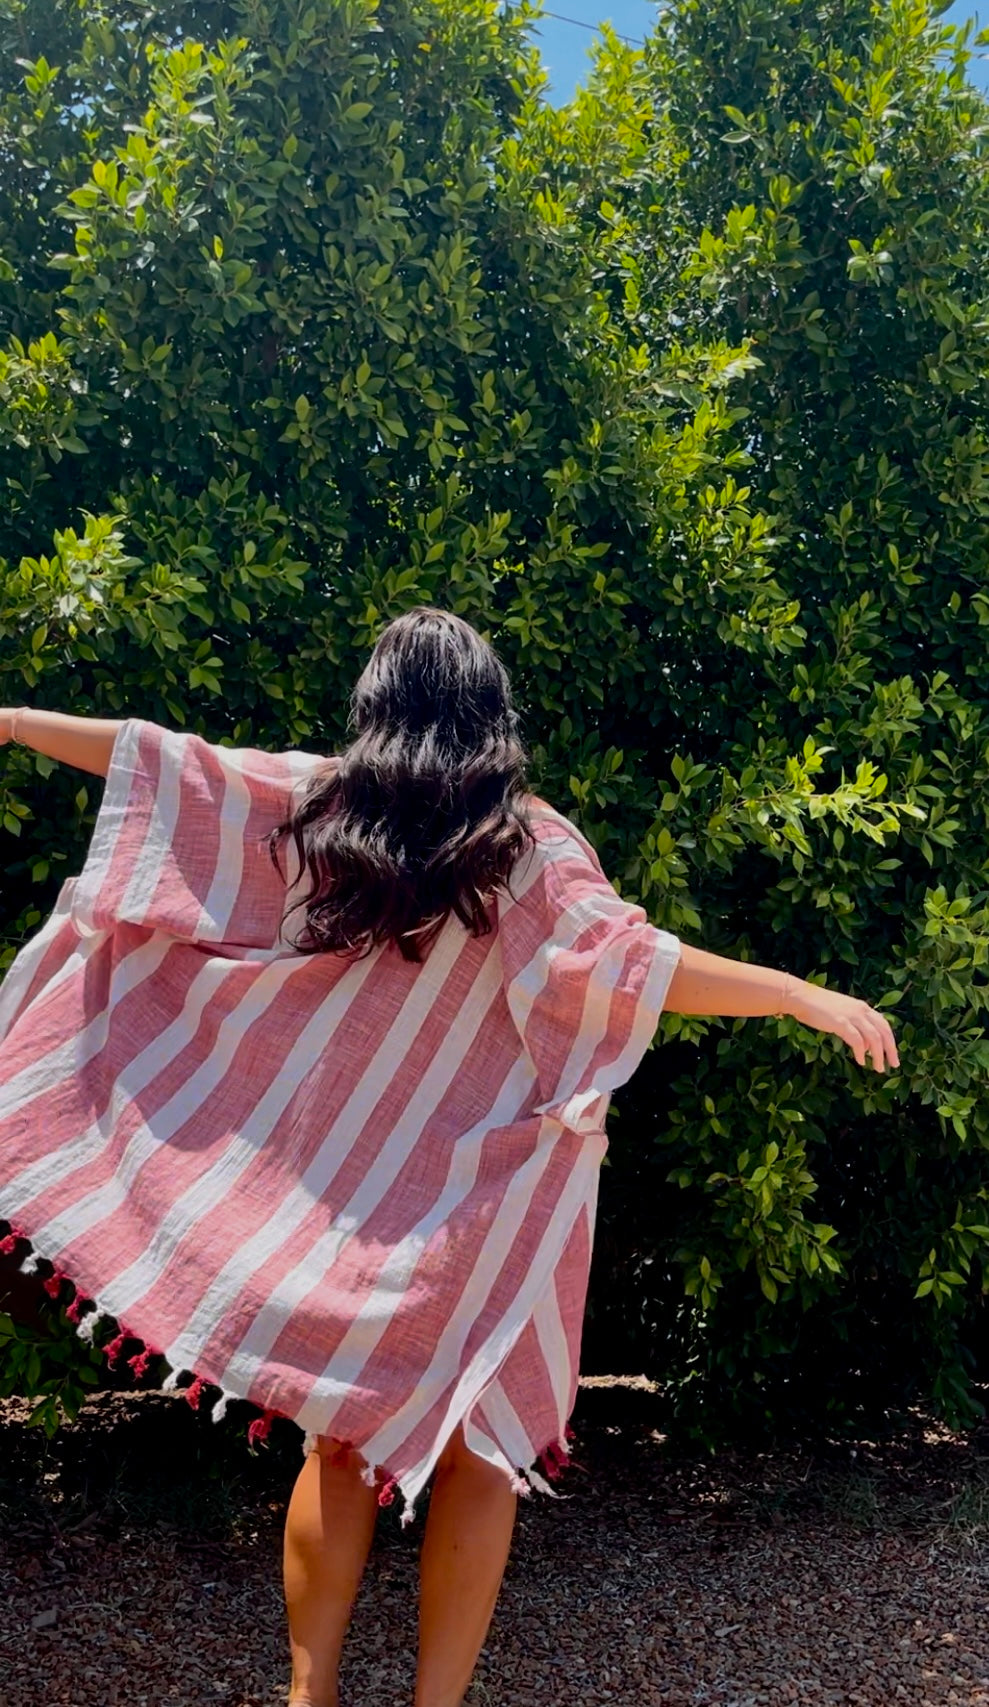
<point x="632" y="41"/>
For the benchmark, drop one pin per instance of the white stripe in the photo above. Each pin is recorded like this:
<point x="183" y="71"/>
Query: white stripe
<point x="478" y="1441"/>
<point x="21" y="971"/>
<point x="68" y="1058"/>
<point x="507" y="1448"/>
<point x="210" y="1188"/>
<point x="476" y="1377"/>
<point x="159" y="837"/>
<point x="384" y="1068"/>
<point x="548" y="1323"/>
<point x="509" y="1430"/>
<point x="609" y="968"/>
<point x="86" y="1212"/>
<point x="234" y="766"/>
<point x="491" y="1355"/>
<point x="287" y="1215"/>
<point x="229" y="869"/>
<point x="664" y="962"/>
<point x="109" y="821"/>
<point x="334" y="1385"/>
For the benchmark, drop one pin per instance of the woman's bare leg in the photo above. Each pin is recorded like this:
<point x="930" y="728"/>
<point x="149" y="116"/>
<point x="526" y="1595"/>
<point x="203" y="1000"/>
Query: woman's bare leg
<point x="328" y="1531"/>
<point x="464" y="1553"/>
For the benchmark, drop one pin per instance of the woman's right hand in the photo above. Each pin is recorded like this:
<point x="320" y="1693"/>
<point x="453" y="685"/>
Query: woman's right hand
<point x="863" y="1028"/>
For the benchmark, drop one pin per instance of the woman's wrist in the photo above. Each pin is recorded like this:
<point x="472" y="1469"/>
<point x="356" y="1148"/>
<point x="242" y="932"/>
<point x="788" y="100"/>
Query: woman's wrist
<point x="705" y="983"/>
<point x="85" y="742"/>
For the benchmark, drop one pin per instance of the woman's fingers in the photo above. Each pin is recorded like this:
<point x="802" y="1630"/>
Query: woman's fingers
<point x="881" y="1040"/>
<point x="851" y="1033"/>
<point x="868" y="1033"/>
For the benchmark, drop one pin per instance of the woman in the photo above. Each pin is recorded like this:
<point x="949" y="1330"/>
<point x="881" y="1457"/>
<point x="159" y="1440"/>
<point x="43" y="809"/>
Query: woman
<point x="345" y="1166"/>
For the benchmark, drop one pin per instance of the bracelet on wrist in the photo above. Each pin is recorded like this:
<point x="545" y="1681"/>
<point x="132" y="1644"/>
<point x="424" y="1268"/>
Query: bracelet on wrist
<point x="15" y="725"/>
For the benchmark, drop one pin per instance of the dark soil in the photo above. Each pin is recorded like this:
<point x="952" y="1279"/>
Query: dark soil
<point x="141" y="1564"/>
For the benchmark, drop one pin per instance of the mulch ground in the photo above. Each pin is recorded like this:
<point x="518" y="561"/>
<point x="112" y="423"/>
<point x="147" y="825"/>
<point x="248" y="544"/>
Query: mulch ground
<point x="140" y="1557"/>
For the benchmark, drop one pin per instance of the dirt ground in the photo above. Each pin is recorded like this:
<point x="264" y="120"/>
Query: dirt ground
<point x="140" y="1556"/>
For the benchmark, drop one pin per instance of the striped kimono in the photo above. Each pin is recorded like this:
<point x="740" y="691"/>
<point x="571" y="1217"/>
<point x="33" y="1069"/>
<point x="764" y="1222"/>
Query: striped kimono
<point x="360" y="1195"/>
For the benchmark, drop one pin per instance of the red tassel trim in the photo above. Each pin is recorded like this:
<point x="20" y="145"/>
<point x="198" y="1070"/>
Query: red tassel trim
<point x="261" y="1427"/>
<point x="116" y="1346"/>
<point x="8" y="1245"/>
<point x="142" y="1360"/>
<point x="387" y="1494"/>
<point x="194" y="1393"/>
<point x="74" y="1309"/>
<point x="553" y="1460"/>
<point x="53" y="1285"/>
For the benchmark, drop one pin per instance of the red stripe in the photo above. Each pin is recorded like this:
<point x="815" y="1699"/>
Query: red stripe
<point x="56" y="953"/>
<point x="395" y="1368"/>
<point x="463" y="1105"/>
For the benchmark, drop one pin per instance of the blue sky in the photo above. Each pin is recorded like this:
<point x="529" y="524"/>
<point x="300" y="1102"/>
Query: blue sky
<point x="564" y="45"/>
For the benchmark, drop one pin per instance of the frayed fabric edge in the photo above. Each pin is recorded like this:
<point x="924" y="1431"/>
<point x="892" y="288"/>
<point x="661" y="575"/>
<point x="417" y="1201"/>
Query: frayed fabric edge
<point x="524" y="1480"/>
<point x="554" y="1459"/>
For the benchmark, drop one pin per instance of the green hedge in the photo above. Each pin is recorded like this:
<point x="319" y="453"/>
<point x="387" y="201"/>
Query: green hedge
<point x="322" y="312"/>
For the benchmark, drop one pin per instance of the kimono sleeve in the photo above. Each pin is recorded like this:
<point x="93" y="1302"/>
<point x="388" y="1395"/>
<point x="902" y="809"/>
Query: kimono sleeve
<point x="586" y="973"/>
<point x="178" y="843"/>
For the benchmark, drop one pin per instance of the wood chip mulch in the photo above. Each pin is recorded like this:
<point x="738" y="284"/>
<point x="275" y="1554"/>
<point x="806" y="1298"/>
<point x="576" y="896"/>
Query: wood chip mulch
<point x="141" y="1564"/>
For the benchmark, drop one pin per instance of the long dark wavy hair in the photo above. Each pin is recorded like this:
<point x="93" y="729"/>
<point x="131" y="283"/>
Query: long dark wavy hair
<point x="424" y="813"/>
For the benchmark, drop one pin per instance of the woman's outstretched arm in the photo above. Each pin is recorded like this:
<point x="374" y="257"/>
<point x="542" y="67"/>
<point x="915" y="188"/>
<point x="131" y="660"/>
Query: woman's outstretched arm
<point x="86" y="742"/>
<point x="711" y="984"/>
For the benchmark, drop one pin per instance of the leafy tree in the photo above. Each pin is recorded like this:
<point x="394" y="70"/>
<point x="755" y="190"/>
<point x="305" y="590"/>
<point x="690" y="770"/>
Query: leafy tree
<point x="313" y="312"/>
<point x="295" y="336"/>
<point x="808" y="183"/>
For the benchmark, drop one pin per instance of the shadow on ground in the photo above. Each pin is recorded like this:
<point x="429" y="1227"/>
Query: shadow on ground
<point x="141" y="1556"/>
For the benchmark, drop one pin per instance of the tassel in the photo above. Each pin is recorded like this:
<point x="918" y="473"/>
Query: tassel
<point x="520" y="1486"/>
<point x="368" y="1476"/>
<point x="387" y="1494"/>
<point x="550" y="1462"/>
<point x="74" y="1309"/>
<point x="194" y="1393"/>
<point x="53" y="1284"/>
<point x="88" y="1325"/>
<point x="141" y="1361"/>
<point x="220" y="1408"/>
<point x="261" y="1427"/>
<point x="8" y="1245"/>
<point x="112" y="1350"/>
<point x="172" y="1380"/>
<point x="542" y="1485"/>
<point x="30" y="1263"/>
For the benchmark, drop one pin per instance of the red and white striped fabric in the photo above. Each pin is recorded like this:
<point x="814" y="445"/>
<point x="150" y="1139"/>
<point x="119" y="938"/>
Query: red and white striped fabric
<point x="360" y="1195"/>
